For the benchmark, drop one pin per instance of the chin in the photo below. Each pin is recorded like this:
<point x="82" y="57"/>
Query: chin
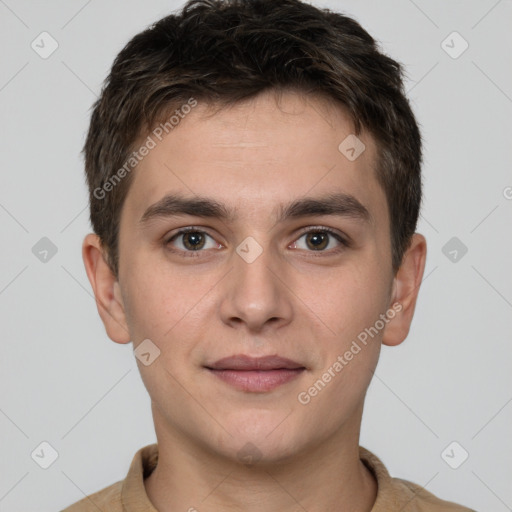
<point x="261" y="451"/>
<point x="261" y="436"/>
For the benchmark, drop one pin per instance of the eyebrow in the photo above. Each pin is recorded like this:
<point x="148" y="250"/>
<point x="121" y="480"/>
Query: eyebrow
<point x="336" y="204"/>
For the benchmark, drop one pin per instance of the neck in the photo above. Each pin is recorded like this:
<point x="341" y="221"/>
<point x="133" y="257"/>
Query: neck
<point x="329" y="477"/>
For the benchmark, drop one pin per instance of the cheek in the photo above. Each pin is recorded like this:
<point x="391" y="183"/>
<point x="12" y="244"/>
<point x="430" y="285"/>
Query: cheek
<point x="151" y="306"/>
<point x="158" y="294"/>
<point x="167" y="311"/>
<point x="335" y="393"/>
<point x="350" y="301"/>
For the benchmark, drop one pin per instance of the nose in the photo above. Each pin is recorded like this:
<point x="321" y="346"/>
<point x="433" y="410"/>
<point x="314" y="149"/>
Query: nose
<point x="256" y="293"/>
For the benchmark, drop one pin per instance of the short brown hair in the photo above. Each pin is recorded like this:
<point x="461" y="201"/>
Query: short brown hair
<point x="226" y="51"/>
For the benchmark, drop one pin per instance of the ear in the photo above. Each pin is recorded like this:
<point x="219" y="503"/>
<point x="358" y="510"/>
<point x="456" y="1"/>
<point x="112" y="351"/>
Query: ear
<point x="406" y="286"/>
<point x="106" y="290"/>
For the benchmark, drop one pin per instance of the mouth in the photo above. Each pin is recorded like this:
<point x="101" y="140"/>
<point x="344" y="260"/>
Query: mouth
<point x="256" y="374"/>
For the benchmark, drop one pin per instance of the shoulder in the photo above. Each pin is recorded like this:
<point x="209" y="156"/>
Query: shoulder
<point x="403" y="495"/>
<point x="128" y="491"/>
<point x="106" y="499"/>
<point x="422" y="500"/>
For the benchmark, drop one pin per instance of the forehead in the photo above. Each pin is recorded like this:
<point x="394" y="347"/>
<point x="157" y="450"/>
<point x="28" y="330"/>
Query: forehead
<point x="258" y="154"/>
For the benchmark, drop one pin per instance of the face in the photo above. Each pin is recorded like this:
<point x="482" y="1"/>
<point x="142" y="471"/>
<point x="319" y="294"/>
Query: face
<point x="262" y="281"/>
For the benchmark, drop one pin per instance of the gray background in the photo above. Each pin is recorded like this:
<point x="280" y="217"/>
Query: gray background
<point x="64" y="382"/>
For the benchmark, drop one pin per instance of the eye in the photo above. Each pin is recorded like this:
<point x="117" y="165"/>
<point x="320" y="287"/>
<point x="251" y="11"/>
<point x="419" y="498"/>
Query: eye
<point x="319" y="238"/>
<point x="191" y="240"/>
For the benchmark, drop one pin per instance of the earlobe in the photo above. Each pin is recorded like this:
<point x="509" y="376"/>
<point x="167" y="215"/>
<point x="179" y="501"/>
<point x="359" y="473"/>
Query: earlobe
<point x="106" y="290"/>
<point x="406" y="287"/>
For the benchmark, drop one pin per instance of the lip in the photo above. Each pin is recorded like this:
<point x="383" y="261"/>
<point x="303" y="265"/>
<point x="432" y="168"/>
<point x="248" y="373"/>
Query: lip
<point x="243" y="362"/>
<point x="256" y="374"/>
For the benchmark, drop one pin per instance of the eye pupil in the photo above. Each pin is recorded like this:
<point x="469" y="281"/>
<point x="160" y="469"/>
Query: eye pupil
<point x="318" y="240"/>
<point x="195" y="238"/>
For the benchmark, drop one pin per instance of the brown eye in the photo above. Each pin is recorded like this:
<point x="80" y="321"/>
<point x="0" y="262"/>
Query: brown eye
<point x="193" y="240"/>
<point x="190" y="240"/>
<point x="317" y="240"/>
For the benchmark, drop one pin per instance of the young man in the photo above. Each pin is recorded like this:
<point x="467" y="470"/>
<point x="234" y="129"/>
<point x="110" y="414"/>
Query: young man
<point x="254" y="175"/>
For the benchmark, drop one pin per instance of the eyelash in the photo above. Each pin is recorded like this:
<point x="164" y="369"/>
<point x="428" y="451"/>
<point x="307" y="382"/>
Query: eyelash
<point x="315" y="229"/>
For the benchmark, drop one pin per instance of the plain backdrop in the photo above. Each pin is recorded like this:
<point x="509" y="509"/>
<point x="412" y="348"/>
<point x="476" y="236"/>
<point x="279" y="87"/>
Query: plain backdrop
<point x="65" y="383"/>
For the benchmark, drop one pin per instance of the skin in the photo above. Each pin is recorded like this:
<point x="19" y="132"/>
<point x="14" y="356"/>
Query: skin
<point x="293" y="301"/>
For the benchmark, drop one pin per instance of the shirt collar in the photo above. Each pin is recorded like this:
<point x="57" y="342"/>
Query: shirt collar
<point x="135" y="499"/>
<point x="133" y="493"/>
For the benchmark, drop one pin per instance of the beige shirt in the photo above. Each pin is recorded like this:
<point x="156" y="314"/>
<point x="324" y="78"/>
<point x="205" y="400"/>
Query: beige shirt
<point x="129" y="495"/>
